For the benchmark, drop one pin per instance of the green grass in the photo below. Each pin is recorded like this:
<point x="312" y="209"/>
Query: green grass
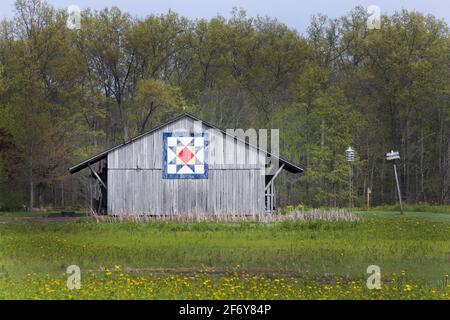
<point x="419" y="215"/>
<point x="426" y="208"/>
<point x="416" y="243"/>
<point x="119" y="285"/>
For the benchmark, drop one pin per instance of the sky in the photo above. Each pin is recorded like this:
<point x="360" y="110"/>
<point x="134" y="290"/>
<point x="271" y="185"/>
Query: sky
<point x="294" y="13"/>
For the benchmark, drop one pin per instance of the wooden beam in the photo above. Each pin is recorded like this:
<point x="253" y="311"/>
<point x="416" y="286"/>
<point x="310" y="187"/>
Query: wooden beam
<point x="274" y="176"/>
<point x="98" y="177"/>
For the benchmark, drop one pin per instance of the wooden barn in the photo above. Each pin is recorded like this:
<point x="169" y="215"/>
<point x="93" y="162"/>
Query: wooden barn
<point x="185" y="166"/>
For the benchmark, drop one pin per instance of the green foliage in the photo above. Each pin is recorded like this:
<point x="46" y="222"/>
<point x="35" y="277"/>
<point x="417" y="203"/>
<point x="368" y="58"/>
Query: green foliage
<point x="157" y="100"/>
<point x="289" y="208"/>
<point x="320" y="126"/>
<point x="67" y="94"/>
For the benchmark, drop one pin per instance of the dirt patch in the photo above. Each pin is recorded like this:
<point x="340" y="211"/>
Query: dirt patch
<point x="209" y="271"/>
<point x="39" y="219"/>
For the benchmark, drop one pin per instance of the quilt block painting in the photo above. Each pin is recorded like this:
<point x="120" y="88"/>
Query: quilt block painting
<point x="185" y="155"/>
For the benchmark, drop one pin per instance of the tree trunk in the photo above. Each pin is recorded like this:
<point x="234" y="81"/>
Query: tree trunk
<point x="446" y="188"/>
<point x="62" y="194"/>
<point x="123" y="121"/>
<point x="322" y="142"/>
<point x="422" y="175"/>
<point x="147" y="117"/>
<point x="31" y="182"/>
<point x="31" y="203"/>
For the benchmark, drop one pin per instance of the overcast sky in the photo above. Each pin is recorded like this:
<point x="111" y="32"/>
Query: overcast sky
<point x="294" y="13"/>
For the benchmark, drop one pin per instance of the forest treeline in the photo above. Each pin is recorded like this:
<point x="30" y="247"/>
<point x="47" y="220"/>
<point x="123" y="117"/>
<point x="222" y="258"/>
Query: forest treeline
<point x="66" y="94"/>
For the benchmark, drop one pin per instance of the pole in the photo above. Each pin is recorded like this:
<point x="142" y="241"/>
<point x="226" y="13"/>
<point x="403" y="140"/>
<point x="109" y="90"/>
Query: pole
<point x="350" y="157"/>
<point x="398" y="189"/>
<point x="350" y="186"/>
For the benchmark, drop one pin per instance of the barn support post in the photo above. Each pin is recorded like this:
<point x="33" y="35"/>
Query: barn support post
<point x="275" y="175"/>
<point x="270" y="191"/>
<point x="269" y="198"/>
<point x="98" y="177"/>
<point x="100" y="203"/>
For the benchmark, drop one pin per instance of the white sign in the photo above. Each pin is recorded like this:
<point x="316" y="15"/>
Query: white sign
<point x="393" y="155"/>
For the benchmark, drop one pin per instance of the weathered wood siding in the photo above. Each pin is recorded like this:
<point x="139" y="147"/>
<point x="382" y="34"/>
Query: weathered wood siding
<point x="234" y="184"/>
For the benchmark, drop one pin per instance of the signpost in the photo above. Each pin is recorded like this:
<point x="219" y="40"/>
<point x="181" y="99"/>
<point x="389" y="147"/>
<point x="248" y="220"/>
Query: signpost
<point x="392" y="156"/>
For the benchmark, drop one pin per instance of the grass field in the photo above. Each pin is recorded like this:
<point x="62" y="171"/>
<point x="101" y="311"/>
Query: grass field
<point x="242" y="260"/>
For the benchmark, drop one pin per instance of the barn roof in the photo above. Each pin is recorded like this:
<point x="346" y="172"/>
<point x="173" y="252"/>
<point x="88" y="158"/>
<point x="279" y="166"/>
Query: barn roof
<point x="289" y="166"/>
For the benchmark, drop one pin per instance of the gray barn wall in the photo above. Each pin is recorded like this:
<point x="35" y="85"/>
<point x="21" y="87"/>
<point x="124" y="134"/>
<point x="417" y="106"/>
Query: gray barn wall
<point x="234" y="184"/>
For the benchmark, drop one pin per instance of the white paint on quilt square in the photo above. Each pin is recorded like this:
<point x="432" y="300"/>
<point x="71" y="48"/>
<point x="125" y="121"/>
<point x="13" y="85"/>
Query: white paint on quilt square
<point x="172" y="141"/>
<point x="200" y="155"/>
<point x="185" y="140"/>
<point x="199" y="141"/>
<point x="185" y="170"/>
<point x="199" y="169"/>
<point x="172" y="168"/>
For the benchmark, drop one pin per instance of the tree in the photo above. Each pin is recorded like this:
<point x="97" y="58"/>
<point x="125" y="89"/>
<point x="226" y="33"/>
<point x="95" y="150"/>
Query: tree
<point x="112" y="61"/>
<point x="153" y="98"/>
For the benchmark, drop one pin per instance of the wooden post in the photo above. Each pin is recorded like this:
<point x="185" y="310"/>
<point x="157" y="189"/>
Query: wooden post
<point x="98" y="177"/>
<point x="275" y="175"/>
<point x="274" y="204"/>
<point x="272" y="198"/>
<point x="350" y="186"/>
<point x="398" y="189"/>
<point x="270" y="188"/>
